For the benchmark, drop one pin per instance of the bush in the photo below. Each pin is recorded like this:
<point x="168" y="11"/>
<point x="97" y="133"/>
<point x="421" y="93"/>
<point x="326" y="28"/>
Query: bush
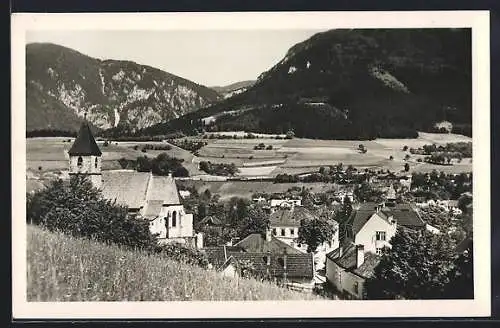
<point x="218" y="169"/>
<point x="76" y="208"/>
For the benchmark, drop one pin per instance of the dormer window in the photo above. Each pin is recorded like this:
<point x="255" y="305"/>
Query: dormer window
<point x="79" y="162"/>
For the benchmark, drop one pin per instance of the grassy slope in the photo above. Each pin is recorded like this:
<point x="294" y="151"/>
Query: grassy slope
<point x="61" y="268"/>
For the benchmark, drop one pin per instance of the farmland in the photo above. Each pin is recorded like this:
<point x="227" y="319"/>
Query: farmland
<point x="63" y="268"/>
<point x="46" y="156"/>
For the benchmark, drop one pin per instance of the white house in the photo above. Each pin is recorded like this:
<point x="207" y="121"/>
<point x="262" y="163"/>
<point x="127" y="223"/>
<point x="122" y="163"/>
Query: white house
<point x="347" y="269"/>
<point x="284" y="203"/>
<point x="147" y="196"/>
<point x="372" y="227"/>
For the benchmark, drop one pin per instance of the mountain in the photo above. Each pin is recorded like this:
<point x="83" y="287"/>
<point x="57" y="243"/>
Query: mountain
<point x="234" y="88"/>
<point x="62" y="84"/>
<point x="354" y="84"/>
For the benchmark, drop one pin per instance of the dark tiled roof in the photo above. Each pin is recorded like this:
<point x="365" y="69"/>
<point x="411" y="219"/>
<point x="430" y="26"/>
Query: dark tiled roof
<point x="348" y="261"/>
<point x="153" y="208"/>
<point x="298" y="265"/>
<point x="256" y="243"/>
<point x="360" y="216"/>
<point x="405" y="215"/>
<point x="84" y="143"/>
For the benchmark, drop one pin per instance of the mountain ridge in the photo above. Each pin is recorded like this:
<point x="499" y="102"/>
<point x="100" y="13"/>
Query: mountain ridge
<point x="62" y="84"/>
<point x="353" y="84"/>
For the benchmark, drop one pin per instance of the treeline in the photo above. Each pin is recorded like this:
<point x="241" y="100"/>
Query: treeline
<point x="436" y="185"/>
<point x="160" y="165"/>
<point x="189" y="145"/>
<point x="50" y="133"/>
<point x="453" y="149"/>
<point x="147" y="147"/>
<point x="218" y="168"/>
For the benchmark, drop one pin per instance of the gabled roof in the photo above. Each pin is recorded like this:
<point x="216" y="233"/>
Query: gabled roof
<point x="297" y="265"/>
<point x="290" y="217"/>
<point x="360" y="216"/>
<point x="257" y="243"/>
<point x="84" y="143"/>
<point x="348" y="260"/>
<point x="126" y="187"/>
<point x="405" y="215"/>
<point x="138" y="189"/>
<point x="163" y="188"/>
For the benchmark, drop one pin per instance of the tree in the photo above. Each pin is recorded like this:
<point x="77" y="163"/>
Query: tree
<point x="462" y="279"/>
<point x="405" y="148"/>
<point x="75" y="207"/>
<point x="407" y="157"/>
<point x="391" y="157"/>
<point x="418" y="266"/>
<point x="407" y="167"/>
<point x="290" y="134"/>
<point x="257" y="221"/>
<point x="314" y="232"/>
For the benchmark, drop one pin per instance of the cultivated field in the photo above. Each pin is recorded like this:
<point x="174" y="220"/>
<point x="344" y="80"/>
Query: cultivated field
<point x="245" y="189"/>
<point x="292" y="156"/>
<point x="62" y="268"/>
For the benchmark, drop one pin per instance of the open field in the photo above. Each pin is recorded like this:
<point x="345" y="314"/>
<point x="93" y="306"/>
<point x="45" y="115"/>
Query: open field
<point x="245" y="189"/>
<point x="293" y="156"/>
<point x="62" y="268"/>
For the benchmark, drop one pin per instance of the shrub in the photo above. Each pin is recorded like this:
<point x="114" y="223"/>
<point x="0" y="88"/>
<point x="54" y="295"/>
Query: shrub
<point x="75" y="207"/>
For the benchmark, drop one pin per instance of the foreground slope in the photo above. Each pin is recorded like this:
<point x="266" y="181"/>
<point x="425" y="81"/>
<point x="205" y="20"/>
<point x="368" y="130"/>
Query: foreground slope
<point x="62" y="268"/>
<point x="356" y="84"/>
<point x="62" y="84"/>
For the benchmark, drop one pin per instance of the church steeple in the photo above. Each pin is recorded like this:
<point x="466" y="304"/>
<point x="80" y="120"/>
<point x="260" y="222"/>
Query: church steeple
<point x="85" y="155"/>
<point x="85" y="143"/>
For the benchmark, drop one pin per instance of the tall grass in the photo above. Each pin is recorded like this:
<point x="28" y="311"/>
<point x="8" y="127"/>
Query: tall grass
<point x="63" y="268"/>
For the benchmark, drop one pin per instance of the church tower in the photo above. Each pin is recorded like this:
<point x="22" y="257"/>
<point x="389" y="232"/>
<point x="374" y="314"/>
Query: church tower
<point x="85" y="156"/>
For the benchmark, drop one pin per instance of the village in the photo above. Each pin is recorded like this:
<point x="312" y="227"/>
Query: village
<point x="327" y="243"/>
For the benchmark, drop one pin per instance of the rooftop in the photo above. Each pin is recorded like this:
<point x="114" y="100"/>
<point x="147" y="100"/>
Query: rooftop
<point x="84" y="143"/>
<point x="290" y="217"/>
<point x="257" y="243"/>
<point x="297" y="265"/>
<point x="348" y="260"/>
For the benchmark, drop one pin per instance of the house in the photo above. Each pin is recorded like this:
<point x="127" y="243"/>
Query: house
<point x="265" y="242"/>
<point x="295" y="271"/>
<point x="147" y="196"/>
<point x="373" y="225"/>
<point x="285" y="225"/>
<point x="284" y="203"/>
<point x="347" y="269"/>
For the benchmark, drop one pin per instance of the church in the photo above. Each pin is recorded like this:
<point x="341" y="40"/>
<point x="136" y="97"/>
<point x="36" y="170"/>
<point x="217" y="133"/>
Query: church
<point x="147" y="196"/>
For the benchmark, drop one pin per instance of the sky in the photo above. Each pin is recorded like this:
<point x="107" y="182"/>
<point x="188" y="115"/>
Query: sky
<point x="210" y="58"/>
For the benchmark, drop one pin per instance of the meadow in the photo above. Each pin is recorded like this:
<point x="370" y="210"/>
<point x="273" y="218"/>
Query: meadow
<point x="62" y="268"/>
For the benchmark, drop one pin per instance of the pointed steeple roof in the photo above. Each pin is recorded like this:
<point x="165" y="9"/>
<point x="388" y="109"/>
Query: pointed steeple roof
<point x="84" y="143"/>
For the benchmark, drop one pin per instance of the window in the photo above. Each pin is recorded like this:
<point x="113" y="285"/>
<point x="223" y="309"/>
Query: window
<point x="174" y="219"/>
<point x="80" y="161"/>
<point x="292" y="231"/>
<point x="356" y="287"/>
<point x="380" y="235"/>
<point x="96" y="162"/>
<point x="379" y="251"/>
<point x="282" y="232"/>
<point x="275" y="231"/>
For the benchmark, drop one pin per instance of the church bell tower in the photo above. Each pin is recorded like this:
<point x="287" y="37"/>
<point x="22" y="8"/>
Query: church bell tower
<point x="85" y="156"/>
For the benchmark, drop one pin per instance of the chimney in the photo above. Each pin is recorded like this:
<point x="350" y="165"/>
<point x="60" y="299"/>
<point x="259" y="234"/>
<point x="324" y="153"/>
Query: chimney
<point x="268" y="234"/>
<point x="360" y="255"/>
